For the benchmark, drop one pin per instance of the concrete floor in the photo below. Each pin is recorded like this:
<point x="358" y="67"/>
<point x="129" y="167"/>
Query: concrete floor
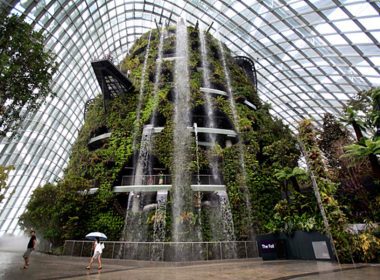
<point x="59" y="267"/>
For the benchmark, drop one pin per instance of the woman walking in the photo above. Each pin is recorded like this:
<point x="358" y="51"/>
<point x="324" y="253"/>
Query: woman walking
<point x="98" y="249"/>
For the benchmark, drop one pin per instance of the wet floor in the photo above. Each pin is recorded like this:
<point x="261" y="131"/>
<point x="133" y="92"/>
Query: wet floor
<point x="44" y="266"/>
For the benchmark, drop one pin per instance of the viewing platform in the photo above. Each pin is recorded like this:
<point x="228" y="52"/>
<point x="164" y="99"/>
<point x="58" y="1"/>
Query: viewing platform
<point x="228" y="132"/>
<point x="213" y="91"/>
<point x="249" y="104"/>
<point x="111" y="81"/>
<point x="158" y="183"/>
<point x="141" y="188"/>
<point x="223" y="93"/>
<point x="169" y="58"/>
<point x="99" y="138"/>
<point x="208" y="188"/>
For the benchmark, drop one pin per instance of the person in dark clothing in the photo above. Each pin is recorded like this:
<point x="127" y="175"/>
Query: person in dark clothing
<point x="31" y="246"/>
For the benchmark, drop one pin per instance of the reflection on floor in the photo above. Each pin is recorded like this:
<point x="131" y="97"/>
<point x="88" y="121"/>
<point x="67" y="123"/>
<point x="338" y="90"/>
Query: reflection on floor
<point x="56" y="267"/>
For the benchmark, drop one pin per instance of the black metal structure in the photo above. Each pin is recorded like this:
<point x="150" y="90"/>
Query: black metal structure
<point x="111" y="80"/>
<point x="248" y="66"/>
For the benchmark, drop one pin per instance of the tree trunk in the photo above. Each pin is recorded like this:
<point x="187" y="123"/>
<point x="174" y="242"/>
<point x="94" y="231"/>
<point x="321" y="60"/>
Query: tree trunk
<point x="374" y="165"/>
<point x="358" y="131"/>
<point x="376" y="108"/>
<point x="286" y="190"/>
<point x="296" y="186"/>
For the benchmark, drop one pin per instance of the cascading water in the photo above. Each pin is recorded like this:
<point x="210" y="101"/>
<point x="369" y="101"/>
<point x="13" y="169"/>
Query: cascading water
<point x="228" y="224"/>
<point x="160" y="213"/>
<point x="196" y="152"/>
<point x="158" y="74"/>
<point x="182" y="206"/>
<point x="198" y="195"/>
<point x="159" y="224"/>
<point x="141" y="95"/>
<point x="210" y="121"/>
<point x="240" y="146"/>
<point x="135" y="228"/>
<point x="225" y="219"/>
<point x="134" y="141"/>
<point x="131" y="221"/>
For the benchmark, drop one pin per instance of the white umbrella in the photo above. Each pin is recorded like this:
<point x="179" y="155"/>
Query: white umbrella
<point x="93" y="235"/>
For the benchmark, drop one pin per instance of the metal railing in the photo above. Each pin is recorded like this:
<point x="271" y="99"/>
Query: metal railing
<point x="146" y="180"/>
<point x="167" y="180"/>
<point x="166" y="251"/>
<point x="206" y="180"/>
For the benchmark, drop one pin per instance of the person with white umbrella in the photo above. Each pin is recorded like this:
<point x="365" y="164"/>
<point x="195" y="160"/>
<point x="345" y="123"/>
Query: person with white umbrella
<point x="97" y="246"/>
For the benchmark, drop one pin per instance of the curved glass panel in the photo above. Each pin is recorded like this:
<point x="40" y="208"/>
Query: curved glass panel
<point x="310" y="56"/>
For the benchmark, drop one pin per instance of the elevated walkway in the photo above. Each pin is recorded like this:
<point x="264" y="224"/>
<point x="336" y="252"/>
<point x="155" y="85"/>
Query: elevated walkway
<point x="141" y="188"/>
<point x="249" y="68"/>
<point x="162" y="184"/>
<point x="223" y="93"/>
<point x="112" y="82"/>
<point x="170" y="58"/>
<point x="213" y="91"/>
<point x="228" y="132"/>
<point x="249" y="104"/>
<point x="166" y="188"/>
<point x="99" y="138"/>
<point x="208" y="188"/>
<point x="158" y="188"/>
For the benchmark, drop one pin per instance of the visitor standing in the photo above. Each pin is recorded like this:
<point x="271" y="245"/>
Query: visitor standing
<point x="98" y="250"/>
<point x="161" y="178"/>
<point x="31" y="246"/>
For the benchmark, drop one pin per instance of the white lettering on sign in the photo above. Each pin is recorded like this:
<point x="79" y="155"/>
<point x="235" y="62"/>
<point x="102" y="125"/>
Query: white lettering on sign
<point x="268" y="246"/>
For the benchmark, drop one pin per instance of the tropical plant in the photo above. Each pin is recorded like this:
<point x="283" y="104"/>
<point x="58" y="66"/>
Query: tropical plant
<point x="367" y="244"/>
<point x="287" y="175"/>
<point x="298" y="213"/>
<point x="333" y="132"/>
<point x="360" y="151"/>
<point x="4" y="172"/>
<point x="42" y="213"/>
<point x="358" y="202"/>
<point x="367" y="149"/>
<point x="352" y="117"/>
<point x="375" y="114"/>
<point x="26" y="71"/>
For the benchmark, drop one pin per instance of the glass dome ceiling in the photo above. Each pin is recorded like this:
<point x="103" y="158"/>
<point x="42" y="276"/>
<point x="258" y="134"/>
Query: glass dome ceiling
<point x="311" y="56"/>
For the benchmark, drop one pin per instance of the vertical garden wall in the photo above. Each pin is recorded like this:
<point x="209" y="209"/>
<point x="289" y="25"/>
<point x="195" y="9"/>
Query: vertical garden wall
<point x="245" y="162"/>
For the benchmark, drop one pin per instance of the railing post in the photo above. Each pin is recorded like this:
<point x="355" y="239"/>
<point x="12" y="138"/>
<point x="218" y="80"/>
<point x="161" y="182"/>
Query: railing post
<point x="256" y="248"/>
<point x="150" y="250"/>
<point x="220" y="248"/>
<point x="163" y="250"/>
<point x="113" y="250"/>
<point x="81" y="250"/>
<point x="207" y="251"/>
<point x="72" y="249"/>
